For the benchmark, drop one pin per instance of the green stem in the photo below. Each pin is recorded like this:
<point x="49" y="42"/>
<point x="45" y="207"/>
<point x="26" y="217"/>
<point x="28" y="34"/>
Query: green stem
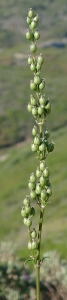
<point x="38" y="254"/>
<point x="38" y="281"/>
<point x="39" y="239"/>
<point x="41" y="130"/>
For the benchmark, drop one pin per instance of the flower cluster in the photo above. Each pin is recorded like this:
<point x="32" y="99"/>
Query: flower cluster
<point x="39" y="184"/>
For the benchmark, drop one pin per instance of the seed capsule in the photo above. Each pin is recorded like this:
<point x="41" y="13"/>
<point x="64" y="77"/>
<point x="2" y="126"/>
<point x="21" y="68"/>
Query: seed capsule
<point x="37" y="79"/>
<point x="34" y="245"/>
<point x="42" y="100"/>
<point x="30" y="13"/>
<point x="29" y="35"/>
<point x="38" y="189"/>
<point x="38" y="172"/>
<point x="31" y="185"/>
<point x="34" y="111"/>
<point x="40" y="110"/>
<point x="46" y="172"/>
<point x="28" y="209"/>
<point x="34" y="130"/>
<point x="34" y="148"/>
<point x="42" y="166"/>
<point x="33" y="101"/>
<point x="42" y="147"/>
<point x="43" y="194"/>
<point x="28" y="20"/>
<point x="32" y="178"/>
<point x="42" y="84"/>
<point x="29" y="107"/>
<point x="36" y="140"/>
<point x="36" y="35"/>
<point x="33" y="47"/>
<point x="28" y="222"/>
<point x="23" y="212"/>
<point x="40" y="59"/>
<point x="49" y="191"/>
<point x="42" y="181"/>
<point x="33" y="195"/>
<point x="33" y="67"/>
<point x="33" y="85"/>
<point x="29" y="245"/>
<point x="30" y="60"/>
<point x="33" y="233"/>
<point x="26" y="201"/>
<point x="33" y="24"/>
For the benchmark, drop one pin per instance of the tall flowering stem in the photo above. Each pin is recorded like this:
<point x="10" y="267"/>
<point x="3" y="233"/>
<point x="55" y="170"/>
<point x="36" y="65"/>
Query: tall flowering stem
<point x="39" y="184"/>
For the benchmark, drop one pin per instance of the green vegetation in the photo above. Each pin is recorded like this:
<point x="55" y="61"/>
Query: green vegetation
<point x="53" y="20"/>
<point x="17" y="281"/>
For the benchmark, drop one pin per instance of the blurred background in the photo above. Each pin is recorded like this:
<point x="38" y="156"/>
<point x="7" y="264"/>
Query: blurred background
<point x="16" y="159"/>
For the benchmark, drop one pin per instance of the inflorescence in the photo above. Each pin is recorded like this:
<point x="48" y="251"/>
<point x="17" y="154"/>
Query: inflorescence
<point x="39" y="184"/>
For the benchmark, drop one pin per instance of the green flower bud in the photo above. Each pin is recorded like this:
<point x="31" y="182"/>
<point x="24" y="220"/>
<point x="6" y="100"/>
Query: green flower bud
<point x="42" y="84"/>
<point x="23" y="212"/>
<point x="29" y="245"/>
<point x="34" y="130"/>
<point x="33" y="85"/>
<point x="38" y="67"/>
<point x="33" y="47"/>
<point x="43" y="195"/>
<point x="30" y="13"/>
<point x="36" y="140"/>
<point x="28" y="209"/>
<point x="36" y="18"/>
<point x="49" y="191"/>
<point x="40" y="110"/>
<point x="42" y="181"/>
<point x="33" y="195"/>
<point x="38" y="189"/>
<point x="38" y="172"/>
<point x="29" y="35"/>
<point x="36" y="35"/>
<point x="46" y="172"/>
<point x="42" y="100"/>
<point x="34" y="148"/>
<point x="34" y="245"/>
<point x="33" y="67"/>
<point x="31" y="185"/>
<point x="28" y="222"/>
<point x="25" y="221"/>
<point x="33" y="233"/>
<point x="40" y="59"/>
<point x="33" y="101"/>
<point x="48" y="106"/>
<point x="33" y="24"/>
<point x="30" y="60"/>
<point x="26" y="201"/>
<point x="28" y="20"/>
<point x="50" y="147"/>
<point x="42" y="166"/>
<point x="42" y="147"/>
<point x="29" y="107"/>
<point x="34" y="111"/>
<point x="32" y="178"/>
<point x="37" y="79"/>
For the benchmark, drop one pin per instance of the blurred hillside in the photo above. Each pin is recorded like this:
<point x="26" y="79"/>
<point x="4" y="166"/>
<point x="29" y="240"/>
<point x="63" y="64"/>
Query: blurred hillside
<point x="15" y="121"/>
<point x="53" y="19"/>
